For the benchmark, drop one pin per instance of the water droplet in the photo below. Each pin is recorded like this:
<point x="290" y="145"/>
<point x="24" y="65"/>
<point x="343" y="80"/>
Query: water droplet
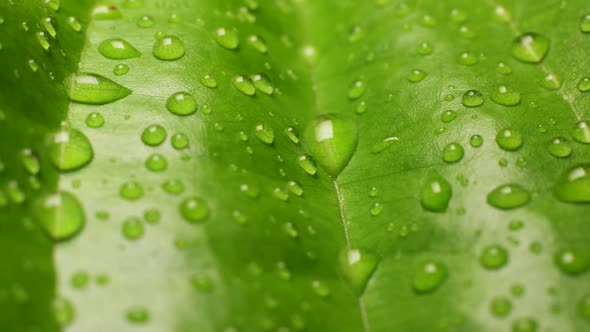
<point x="476" y="141"/>
<point x="436" y="194"/>
<point x="503" y="68"/>
<point x="524" y="324"/>
<point x="74" y="24"/>
<point x="95" y="89"/>
<point x="106" y="12"/>
<point x="295" y="188"/>
<point x="53" y="4"/>
<point x="244" y="85"/>
<point x="118" y="49"/>
<point x="173" y="187"/>
<point x="132" y="228"/>
<point x="42" y="39"/>
<point x="448" y="116"/>
<point x="428" y="276"/>
<point x="332" y="140"/>
<point x="425" y="48"/>
<point x="292" y="134"/>
<point x="509" y="139"/>
<point x="227" y="38"/>
<point x="505" y="95"/>
<point x="264" y="133"/>
<point x="258" y="44"/>
<point x="63" y="311"/>
<point x="452" y="153"/>
<point x="428" y="21"/>
<point x="530" y="47"/>
<point x="30" y="161"/>
<point x="358" y="267"/>
<point x="320" y="289"/>
<point x="131" y="190"/>
<point x="308" y="164"/>
<point x="152" y="216"/>
<point x="182" y="103"/>
<point x="209" y="81"/>
<point x="47" y="23"/>
<point x="467" y="59"/>
<point x="138" y="315"/>
<point x="585" y="23"/>
<point x="355" y="34"/>
<point x="493" y="257"/>
<point x="376" y="209"/>
<point x="356" y="90"/>
<point x="145" y="21"/>
<point x="280" y="194"/>
<point x="574" y="185"/>
<point x="153" y="135"/>
<point x="61" y="215"/>
<point x="201" y="283"/>
<point x="384" y="144"/>
<point x="500" y="306"/>
<point x="262" y="83"/>
<point x="472" y="98"/>
<point x="550" y="82"/>
<point x="179" y="141"/>
<point x="560" y="147"/>
<point x="581" y="132"/>
<point x="121" y="69"/>
<point x="194" y="210"/>
<point x="584" y="304"/>
<point x="572" y="260"/>
<point x="169" y="48"/>
<point x="156" y="163"/>
<point x="416" y="75"/>
<point x="508" y="196"/>
<point x="70" y="149"/>
<point x="584" y="84"/>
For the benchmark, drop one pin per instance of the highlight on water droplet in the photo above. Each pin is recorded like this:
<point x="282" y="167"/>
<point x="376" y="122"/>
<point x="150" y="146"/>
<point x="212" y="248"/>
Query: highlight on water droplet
<point x="60" y="214"/>
<point x="530" y="47"/>
<point x="332" y="140"/>
<point x="508" y="196"/>
<point x="70" y="150"/>
<point x="169" y="48"/>
<point x="574" y="185"/>
<point x="118" y="49"/>
<point x="88" y="88"/>
<point x="435" y="194"/>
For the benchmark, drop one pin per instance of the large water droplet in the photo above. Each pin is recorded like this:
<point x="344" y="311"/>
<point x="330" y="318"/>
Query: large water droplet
<point x="61" y="215"/>
<point x="429" y="276"/>
<point x="530" y="47"/>
<point x="508" y="196"/>
<point x="118" y="49"/>
<point x="332" y="140"/>
<point x="169" y="48"/>
<point x="505" y="95"/>
<point x="94" y="89"/>
<point x="435" y="194"/>
<point x="574" y="185"/>
<point x="509" y="139"/>
<point x="70" y="149"/>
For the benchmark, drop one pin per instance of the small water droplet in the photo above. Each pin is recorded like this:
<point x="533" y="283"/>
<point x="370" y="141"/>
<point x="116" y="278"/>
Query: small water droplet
<point x="118" y="49"/>
<point x="295" y="188"/>
<point x="145" y="21"/>
<point x="416" y="75"/>
<point x="581" y="132"/>
<point x="292" y="134"/>
<point x="355" y="34"/>
<point x="509" y="139"/>
<point x="258" y="43"/>
<point x="530" y="47"/>
<point x="476" y="141"/>
<point x="384" y="144"/>
<point x="209" y="81"/>
<point x="493" y="257"/>
<point x="265" y="133"/>
<point x="173" y="187"/>
<point x="70" y="149"/>
<point x="505" y="95"/>
<point x="436" y="194"/>
<point x="503" y="68"/>
<point x="131" y="190"/>
<point x="137" y="315"/>
<point x="53" y="4"/>
<point x="30" y="161"/>
<point x="560" y="147"/>
<point x="182" y="103"/>
<point x="194" y="210"/>
<point x="156" y="163"/>
<point x="320" y="289"/>
<point x="572" y="260"/>
<point x="508" y="196"/>
<point x="428" y="276"/>
<point x="244" y="85"/>
<point x="308" y="164"/>
<point x="132" y="228"/>
<point x="121" y="69"/>
<point x="356" y="90"/>
<point x="448" y="116"/>
<point x="94" y="89"/>
<point x="42" y="39"/>
<point x="585" y="23"/>
<point x="472" y="98"/>
<point x="452" y="153"/>
<point x="63" y="311"/>
<point x="500" y="306"/>
<point x="227" y="38"/>
<point x="584" y="84"/>
<point x="584" y="303"/>
<point x="179" y="141"/>
<point x="425" y="48"/>
<point x="467" y="58"/>
<point x="169" y="48"/>
<point x="153" y="135"/>
<point x="263" y="83"/>
<point x="61" y="215"/>
<point x="524" y="324"/>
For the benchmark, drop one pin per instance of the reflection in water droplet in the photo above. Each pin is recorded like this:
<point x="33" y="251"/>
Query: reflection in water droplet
<point x="476" y="141"/>
<point x="416" y="75"/>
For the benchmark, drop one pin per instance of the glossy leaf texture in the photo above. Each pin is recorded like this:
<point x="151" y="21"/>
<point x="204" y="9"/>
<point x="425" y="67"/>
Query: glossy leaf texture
<point x="258" y="165"/>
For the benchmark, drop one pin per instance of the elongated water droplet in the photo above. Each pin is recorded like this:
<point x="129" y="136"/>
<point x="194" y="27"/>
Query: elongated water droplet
<point x="227" y="38"/>
<point x="70" y="149"/>
<point x="53" y="4"/>
<point x="384" y="144"/>
<point x="428" y="276"/>
<point x="194" y="210"/>
<point x="61" y="215"/>
<point x="493" y="257"/>
<point x="94" y="89"/>
<point x="320" y="289"/>
<point x="74" y="24"/>
<point x="262" y="83"/>
<point x="182" y="103"/>
<point x="509" y="139"/>
<point x="42" y="39"/>
<point x="358" y="267"/>
<point x="508" y="196"/>
<point x="332" y="140"/>
<point x="292" y="134"/>
<point x="30" y="161"/>
<point x="505" y="95"/>
<point x="308" y="164"/>
<point x="258" y="44"/>
<point x="47" y="23"/>
<point x="264" y="133"/>
<point x="574" y="185"/>
<point x="244" y="85"/>
<point x="356" y="90"/>
<point x="572" y="260"/>
<point x="295" y="188"/>
<point x="472" y="98"/>
<point x="581" y="132"/>
<point x="118" y="49"/>
<point x="169" y="48"/>
<point x="436" y="194"/>
<point x="530" y="47"/>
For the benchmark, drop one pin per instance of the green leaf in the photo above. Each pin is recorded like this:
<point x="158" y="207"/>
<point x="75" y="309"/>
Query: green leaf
<point x="294" y="165"/>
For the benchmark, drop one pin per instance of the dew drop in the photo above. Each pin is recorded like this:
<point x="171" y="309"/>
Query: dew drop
<point x="173" y="187"/>
<point x="74" y="24"/>
<point x="194" y="210"/>
<point x="63" y="311"/>
<point x="292" y="134"/>
<point x="258" y="43"/>
<point x="581" y="132"/>
<point x="356" y="90"/>
<point x="425" y="48"/>
<point x="560" y="147"/>
<point x="131" y="190"/>
<point x="169" y="48"/>
<point x="448" y="116"/>
<point x="244" y="85"/>
<point x="137" y="315"/>
<point x="503" y="68"/>
<point x="452" y="153"/>
<point x="262" y="83"/>
<point x="132" y="228"/>
<point x="584" y="84"/>
<point x="550" y="82"/>
<point x="182" y="103"/>
<point x="574" y="185"/>
<point x="153" y="135"/>
<point x="476" y="141"/>
<point x="584" y="303"/>
<point x="530" y="47"/>
<point x="47" y="23"/>
<point x="572" y="260"/>
<point x="505" y="95"/>
<point x="295" y="188"/>
<point x="332" y="140"/>
<point x="70" y="149"/>
<point x="585" y="23"/>
<point x="227" y="38"/>
<point x="308" y="164"/>
<point x="436" y="194"/>
<point x="145" y="21"/>
<point x="428" y="276"/>
<point x="61" y="215"/>
<point x="509" y="139"/>
<point x="493" y="257"/>
<point x="472" y="98"/>
<point x="358" y="267"/>
<point x="156" y="163"/>
<point x="208" y="81"/>
<point x="508" y="196"/>
<point x="500" y="306"/>
<point x="416" y="75"/>
<point x="118" y="49"/>
<point x="30" y="161"/>
<point x="42" y="39"/>
<point x="94" y="89"/>
<point x="121" y="69"/>
<point x="264" y="133"/>
<point x="467" y="59"/>
<point x="179" y="141"/>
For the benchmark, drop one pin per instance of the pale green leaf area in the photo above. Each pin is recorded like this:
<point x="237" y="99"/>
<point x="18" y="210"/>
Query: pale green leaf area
<point x="294" y="165"/>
